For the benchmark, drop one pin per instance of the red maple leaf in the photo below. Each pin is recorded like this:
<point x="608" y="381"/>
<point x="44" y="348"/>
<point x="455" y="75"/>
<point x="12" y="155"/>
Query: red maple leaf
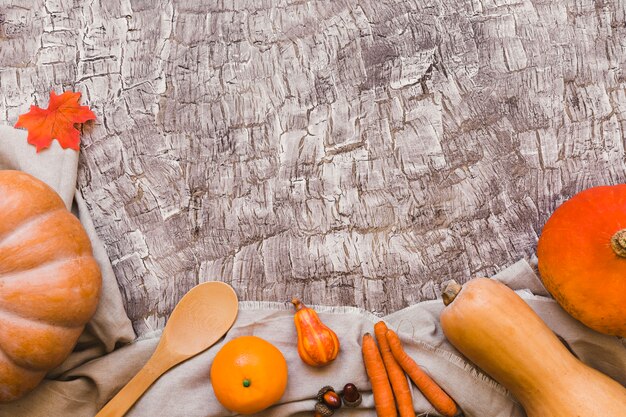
<point x="56" y="122"/>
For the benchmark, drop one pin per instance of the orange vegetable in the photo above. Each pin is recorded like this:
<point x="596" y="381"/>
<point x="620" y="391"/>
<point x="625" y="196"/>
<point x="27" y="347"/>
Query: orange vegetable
<point x="497" y="330"/>
<point x="49" y="282"/>
<point x="582" y="257"/>
<point x="318" y="345"/>
<point x="381" y="388"/>
<point x="399" y="384"/>
<point x="433" y="392"/>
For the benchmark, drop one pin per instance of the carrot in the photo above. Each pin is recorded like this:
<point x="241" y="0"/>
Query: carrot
<point x="399" y="384"/>
<point x="433" y="392"/>
<point x="383" y="395"/>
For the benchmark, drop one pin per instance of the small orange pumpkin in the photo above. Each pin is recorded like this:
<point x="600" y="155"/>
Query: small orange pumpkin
<point x="318" y="345"/>
<point x="49" y="282"/>
<point x="582" y="258"/>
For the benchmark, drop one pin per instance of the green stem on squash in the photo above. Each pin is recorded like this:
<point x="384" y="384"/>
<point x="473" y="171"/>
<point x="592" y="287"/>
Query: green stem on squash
<point x="618" y="243"/>
<point x="450" y="292"/>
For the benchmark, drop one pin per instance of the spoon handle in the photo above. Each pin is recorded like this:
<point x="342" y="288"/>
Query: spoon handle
<point x="131" y="392"/>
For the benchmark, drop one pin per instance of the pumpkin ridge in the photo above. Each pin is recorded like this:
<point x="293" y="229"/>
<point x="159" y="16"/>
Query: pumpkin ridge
<point x="46" y="358"/>
<point x="48" y="264"/>
<point x="9" y="390"/>
<point x="43" y="265"/>
<point x="13" y="362"/>
<point x="54" y="236"/>
<point x="28" y="221"/>
<point x="20" y="316"/>
<point x="72" y="296"/>
<point x="24" y="197"/>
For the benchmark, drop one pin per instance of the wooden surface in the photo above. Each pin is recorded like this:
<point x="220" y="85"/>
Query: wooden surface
<point x="350" y="153"/>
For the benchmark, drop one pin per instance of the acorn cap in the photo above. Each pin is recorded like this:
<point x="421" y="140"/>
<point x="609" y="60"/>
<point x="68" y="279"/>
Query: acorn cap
<point x="323" y="409"/>
<point x="354" y="403"/>
<point x="322" y="391"/>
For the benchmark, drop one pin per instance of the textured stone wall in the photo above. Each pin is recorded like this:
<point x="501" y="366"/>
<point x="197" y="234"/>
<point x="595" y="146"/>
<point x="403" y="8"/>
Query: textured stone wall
<point x="347" y="152"/>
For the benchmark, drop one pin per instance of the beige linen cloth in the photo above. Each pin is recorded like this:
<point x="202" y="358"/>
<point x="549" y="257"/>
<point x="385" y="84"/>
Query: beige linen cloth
<point x="95" y="372"/>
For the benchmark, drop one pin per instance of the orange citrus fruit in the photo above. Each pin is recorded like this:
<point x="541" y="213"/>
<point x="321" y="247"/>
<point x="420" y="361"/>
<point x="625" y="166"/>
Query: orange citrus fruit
<point x="248" y="375"/>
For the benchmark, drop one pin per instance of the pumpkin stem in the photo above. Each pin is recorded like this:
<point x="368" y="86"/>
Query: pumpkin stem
<point x="618" y="243"/>
<point x="297" y="303"/>
<point x="450" y="291"/>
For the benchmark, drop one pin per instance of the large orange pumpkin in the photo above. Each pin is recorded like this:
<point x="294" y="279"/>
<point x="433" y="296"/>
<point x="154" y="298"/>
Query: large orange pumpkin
<point x="49" y="282"/>
<point x="582" y="258"/>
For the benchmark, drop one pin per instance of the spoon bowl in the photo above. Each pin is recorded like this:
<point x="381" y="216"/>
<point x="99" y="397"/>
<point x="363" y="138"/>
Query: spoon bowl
<point x="198" y="321"/>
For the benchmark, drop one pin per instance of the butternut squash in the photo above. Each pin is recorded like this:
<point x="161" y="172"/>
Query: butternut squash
<point x="494" y="328"/>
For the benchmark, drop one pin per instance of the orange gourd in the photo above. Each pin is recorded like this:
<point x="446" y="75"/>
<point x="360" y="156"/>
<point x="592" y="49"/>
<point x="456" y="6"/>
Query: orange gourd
<point x="318" y="345"/>
<point x="582" y="258"/>
<point x="49" y="282"/>
<point x="494" y="328"/>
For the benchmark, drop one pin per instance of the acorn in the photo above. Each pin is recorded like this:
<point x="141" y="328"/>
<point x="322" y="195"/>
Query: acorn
<point x="323" y="409"/>
<point x="322" y="391"/>
<point x="332" y="399"/>
<point x="351" y="395"/>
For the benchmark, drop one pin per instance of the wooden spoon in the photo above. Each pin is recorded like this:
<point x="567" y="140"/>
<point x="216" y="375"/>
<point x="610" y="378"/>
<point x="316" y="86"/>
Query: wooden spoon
<point x="198" y="321"/>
